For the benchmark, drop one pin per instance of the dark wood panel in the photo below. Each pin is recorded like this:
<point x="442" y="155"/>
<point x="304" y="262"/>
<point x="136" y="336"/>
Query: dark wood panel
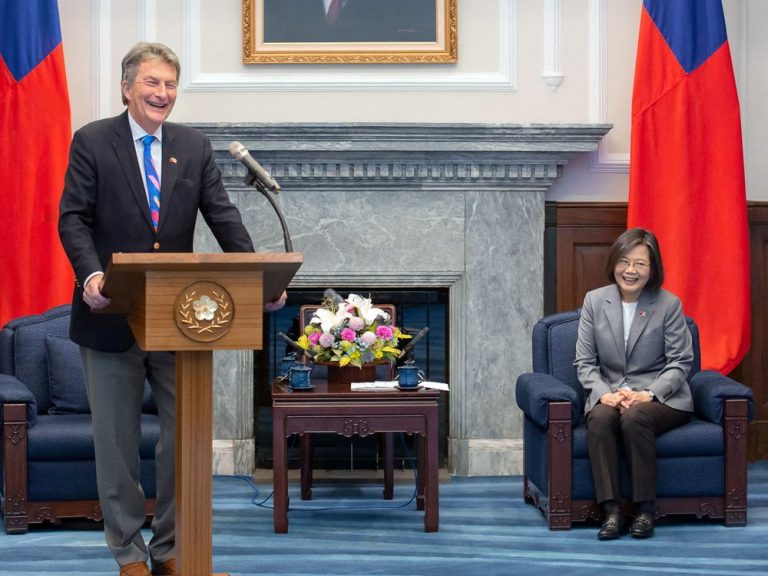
<point x="578" y="236"/>
<point x="583" y="234"/>
<point x="755" y="364"/>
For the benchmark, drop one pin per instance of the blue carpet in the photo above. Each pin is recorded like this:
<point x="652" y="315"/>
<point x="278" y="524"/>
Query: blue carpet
<point x="485" y="529"/>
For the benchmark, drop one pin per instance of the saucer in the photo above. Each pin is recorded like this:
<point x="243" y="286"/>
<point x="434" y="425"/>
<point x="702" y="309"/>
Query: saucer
<point x="301" y="388"/>
<point x="408" y="388"/>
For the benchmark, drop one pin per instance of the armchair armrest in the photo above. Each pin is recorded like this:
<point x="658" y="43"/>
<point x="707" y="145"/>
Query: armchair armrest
<point x="711" y="389"/>
<point x="534" y="391"/>
<point x="14" y="391"/>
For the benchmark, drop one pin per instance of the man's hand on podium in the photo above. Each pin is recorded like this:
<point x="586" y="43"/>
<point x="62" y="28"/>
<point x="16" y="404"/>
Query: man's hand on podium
<point x="92" y="293"/>
<point x="276" y="304"/>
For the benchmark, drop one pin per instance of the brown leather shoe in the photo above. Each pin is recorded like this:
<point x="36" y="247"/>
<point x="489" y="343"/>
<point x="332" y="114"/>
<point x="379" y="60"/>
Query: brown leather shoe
<point x="135" y="569"/>
<point x="167" y="568"/>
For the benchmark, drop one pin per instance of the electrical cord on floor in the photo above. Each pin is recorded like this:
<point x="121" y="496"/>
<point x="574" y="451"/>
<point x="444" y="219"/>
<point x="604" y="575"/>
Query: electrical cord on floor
<point x="263" y="502"/>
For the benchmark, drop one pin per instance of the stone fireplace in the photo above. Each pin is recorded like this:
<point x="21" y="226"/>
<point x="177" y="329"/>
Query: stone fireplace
<point x="453" y="206"/>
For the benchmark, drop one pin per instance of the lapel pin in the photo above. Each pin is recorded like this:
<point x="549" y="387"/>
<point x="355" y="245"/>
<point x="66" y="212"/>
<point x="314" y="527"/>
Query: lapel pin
<point x="642" y="314"/>
<point x="173" y="160"/>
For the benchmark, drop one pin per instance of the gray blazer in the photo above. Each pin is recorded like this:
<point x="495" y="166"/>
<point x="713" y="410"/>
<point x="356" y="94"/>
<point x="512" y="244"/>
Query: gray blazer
<point x="659" y="352"/>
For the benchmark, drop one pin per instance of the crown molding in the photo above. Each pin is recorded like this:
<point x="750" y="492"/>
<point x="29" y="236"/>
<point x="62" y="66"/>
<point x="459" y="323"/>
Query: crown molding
<point x="553" y="44"/>
<point x="601" y="160"/>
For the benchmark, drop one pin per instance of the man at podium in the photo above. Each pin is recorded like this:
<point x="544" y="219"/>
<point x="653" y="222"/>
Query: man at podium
<point x="135" y="184"/>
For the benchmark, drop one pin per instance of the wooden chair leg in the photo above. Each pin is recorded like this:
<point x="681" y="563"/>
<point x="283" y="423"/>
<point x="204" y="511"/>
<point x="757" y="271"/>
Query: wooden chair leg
<point x="15" y="500"/>
<point x="735" y="430"/>
<point x="388" y="455"/>
<point x="420" y="476"/>
<point x="306" y="453"/>
<point x="560" y="455"/>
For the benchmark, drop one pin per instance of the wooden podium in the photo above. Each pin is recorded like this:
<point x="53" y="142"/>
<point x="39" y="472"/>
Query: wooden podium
<point x="194" y="304"/>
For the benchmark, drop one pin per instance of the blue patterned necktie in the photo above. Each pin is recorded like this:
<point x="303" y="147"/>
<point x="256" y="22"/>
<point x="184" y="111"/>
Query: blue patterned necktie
<point x="153" y="182"/>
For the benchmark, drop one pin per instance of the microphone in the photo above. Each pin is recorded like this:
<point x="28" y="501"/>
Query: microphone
<point x="256" y="170"/>
<point x="408" y="347"/>
<point x="295" y="345"/>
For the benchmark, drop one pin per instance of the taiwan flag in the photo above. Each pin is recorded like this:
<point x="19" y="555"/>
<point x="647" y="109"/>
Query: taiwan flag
<point x="35" y="131"/>
<point x="687" y="170"/>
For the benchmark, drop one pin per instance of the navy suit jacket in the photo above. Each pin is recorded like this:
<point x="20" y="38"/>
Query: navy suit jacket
<point x="104" y="210"/>
<point x="658" y="355"/>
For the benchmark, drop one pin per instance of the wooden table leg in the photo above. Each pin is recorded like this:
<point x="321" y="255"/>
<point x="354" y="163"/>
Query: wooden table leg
<point x="306" y="453"/>
<point x="388" y="454"/>
<point x="279" y="471"/>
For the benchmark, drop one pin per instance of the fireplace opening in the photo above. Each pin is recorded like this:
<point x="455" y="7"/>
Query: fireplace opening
<point x="416" y="308"/>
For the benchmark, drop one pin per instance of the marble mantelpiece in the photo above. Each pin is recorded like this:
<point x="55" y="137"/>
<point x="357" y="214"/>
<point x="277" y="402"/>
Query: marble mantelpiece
<point x="456" y="206"/>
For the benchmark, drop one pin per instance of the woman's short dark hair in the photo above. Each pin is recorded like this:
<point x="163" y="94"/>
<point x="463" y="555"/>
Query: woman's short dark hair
<point x="627" y="242"/>
<point x="142" y="52"/>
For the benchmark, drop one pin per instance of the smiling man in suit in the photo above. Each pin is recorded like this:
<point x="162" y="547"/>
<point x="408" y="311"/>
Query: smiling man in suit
<point x="135" y="184"/>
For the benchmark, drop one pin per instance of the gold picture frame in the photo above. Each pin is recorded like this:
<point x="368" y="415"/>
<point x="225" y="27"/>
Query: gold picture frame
<point x="371" y="32"/>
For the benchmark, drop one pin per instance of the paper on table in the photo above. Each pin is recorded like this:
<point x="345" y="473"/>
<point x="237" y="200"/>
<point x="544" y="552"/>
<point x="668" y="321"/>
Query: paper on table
<point x="435" y="385"/>
<point x="381" y="384"/>
<point x="371" y="385"/>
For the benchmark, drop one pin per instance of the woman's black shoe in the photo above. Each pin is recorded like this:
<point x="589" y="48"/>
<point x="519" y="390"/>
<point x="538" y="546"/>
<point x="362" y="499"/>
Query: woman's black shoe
<point x="611" y="528"/>
<point x="642" y="526"/>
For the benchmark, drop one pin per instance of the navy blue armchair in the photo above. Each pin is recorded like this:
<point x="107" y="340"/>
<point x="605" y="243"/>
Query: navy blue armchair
<point x="47" y="468"/>
<point x="702" y="466"/>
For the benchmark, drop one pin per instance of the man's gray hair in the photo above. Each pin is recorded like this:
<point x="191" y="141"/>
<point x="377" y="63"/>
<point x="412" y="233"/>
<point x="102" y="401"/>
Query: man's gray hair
<point x="142" y="52"/>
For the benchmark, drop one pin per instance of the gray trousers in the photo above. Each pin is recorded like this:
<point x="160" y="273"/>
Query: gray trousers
<point x="115" y="385"/>
<point x="636" y="430"/>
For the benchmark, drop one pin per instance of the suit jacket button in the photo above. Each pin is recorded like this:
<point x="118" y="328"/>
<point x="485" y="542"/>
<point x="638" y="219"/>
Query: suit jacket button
<point x="156" y="246"/>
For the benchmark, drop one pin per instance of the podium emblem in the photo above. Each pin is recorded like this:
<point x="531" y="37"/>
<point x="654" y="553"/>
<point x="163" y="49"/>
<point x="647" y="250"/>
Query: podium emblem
<point x="204" y="311"/>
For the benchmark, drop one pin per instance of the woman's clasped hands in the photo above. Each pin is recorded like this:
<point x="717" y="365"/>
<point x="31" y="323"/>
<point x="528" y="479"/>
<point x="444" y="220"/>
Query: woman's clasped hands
<point x="624" y="398"/>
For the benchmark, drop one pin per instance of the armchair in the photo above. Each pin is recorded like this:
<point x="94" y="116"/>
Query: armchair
<point x="702" y="466"/>
<point x="47" y="468"/>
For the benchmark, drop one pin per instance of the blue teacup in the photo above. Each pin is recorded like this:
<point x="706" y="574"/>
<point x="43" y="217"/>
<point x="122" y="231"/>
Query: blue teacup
<point x="298" y="376"/>
<point x="409" y="376"/>
<point x="286" y="364"/>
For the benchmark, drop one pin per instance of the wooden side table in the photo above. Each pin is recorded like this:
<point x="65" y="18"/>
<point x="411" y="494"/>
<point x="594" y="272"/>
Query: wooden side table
<point x="336" y="408"/>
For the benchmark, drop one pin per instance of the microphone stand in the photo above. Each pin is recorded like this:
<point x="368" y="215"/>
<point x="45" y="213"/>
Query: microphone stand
<point x="251" y="180"/>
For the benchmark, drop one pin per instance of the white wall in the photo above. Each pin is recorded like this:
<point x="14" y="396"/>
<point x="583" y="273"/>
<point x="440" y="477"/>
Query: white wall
<point x="498" y="79"/>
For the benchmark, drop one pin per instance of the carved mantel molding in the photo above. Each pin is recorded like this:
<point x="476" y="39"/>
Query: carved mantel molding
<point x="331" y="156"/>
<point x="461" y="207"/>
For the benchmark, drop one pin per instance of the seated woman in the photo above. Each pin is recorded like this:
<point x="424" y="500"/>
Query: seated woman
<point x="633" y="355"/>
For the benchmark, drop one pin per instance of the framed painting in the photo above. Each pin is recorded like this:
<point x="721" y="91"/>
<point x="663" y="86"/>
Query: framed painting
<point x="349" y="31"/>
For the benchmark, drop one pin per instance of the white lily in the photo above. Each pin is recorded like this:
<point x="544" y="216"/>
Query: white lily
<point x="366" y="310"/>
<point x="328" y="319"/>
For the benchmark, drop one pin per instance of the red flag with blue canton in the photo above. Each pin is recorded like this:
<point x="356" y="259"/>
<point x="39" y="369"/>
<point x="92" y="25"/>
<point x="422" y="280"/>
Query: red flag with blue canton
<point x="686" y="176"/>
<point x="35" y="128"/>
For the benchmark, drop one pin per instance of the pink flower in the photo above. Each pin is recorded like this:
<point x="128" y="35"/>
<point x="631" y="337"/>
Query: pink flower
<point x="356" y="323"/>
<point x="384" y="332"/>
<point x="368" y="337"/>
<point x="314" y="337"/>
<point x="326" y="340"/>
<point x="348" y="334"/>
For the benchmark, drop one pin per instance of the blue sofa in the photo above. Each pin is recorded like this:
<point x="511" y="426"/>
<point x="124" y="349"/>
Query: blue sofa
<point x="48" y="469"/>
<point x="702" y="466"/>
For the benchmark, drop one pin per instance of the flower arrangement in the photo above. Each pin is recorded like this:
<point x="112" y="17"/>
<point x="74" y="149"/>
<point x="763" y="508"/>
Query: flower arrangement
<point x="351" y="332"/>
